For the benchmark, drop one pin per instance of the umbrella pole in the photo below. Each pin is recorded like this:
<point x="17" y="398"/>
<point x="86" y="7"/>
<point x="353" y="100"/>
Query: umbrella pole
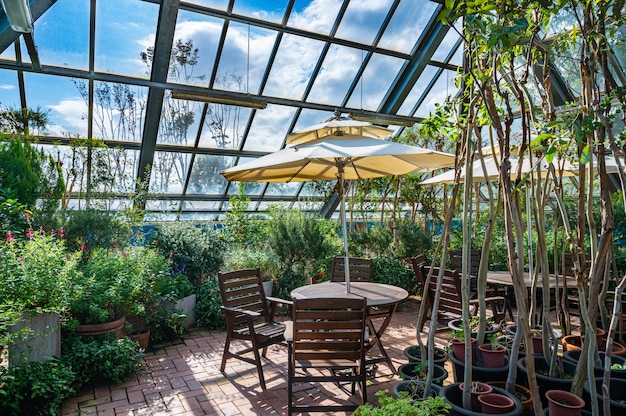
<point x="342" y="212"/>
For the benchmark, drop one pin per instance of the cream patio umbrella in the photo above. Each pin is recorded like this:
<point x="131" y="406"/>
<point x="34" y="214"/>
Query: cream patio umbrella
<point x="339" y="156"/>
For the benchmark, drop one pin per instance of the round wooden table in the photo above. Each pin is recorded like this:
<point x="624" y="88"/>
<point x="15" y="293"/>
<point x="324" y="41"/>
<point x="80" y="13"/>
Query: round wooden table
<point x="382" y="301"/>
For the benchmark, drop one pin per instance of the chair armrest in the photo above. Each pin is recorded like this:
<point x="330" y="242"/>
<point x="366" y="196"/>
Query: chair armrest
<point x="279" y="301"/>
<point x="238" y="310"/>
<point x="488" y="300"/>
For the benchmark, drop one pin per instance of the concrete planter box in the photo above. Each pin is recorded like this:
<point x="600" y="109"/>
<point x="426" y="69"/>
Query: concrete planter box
<point x="187" y="305"/>
<point x="42" y="343"/>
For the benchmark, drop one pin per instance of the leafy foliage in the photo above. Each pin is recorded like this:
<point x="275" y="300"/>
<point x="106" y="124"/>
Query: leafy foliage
<point x="36" y="388"/>
<point x="89" y="229"/>
<point x="403" y="406"/>
<point x="196" y="250"/>
<point x="266" y="260"/>
<point x="209" y="306"/>
<point x="392" y="271"/>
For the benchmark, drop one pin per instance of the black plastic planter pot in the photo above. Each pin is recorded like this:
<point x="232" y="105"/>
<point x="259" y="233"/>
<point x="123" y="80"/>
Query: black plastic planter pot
<point x="617" y="388"/>
<point x="454" y="395"/>
<point x="409" y="387"/>
<point x="545" y="382"/>
<point x="479" y="373"/>
<point x="574" y="356"/>
<point x="412" y="370"/>
<point x="412" y="353"/>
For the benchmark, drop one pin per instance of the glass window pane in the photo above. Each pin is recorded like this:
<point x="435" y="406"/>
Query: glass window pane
<point x="284" y="189"/>
<point x="179" y="121"/>
<point x="224" y="126"/>
<point x="338" y="70"/>
<point x="249" y="188"/>
<point x="195" y="47"/>
<point x="52" y="26"/>
<point x="269" y="128"/>
<point x="213" y="4"/>
<point x="119" y="110"/>
<point x="205" y="174"/>
<point x="244" y="58"/>
<point x="119" y="45"/>
<point x="407" y="24"/>
<point x="202" y="205"/>
<point x="417" y="90"/>
<point x="444" y="87"/>
<point x="60" y="97"/>
<point x="169" y="171"/>
<point x="444" y="49"/>
<point x="272" y="11"/>
<point x="293" y="66"/>
<point x="9" y="89"/>
<point x="363" y="19"/>
<point x="377" y="78"/>
<point x="314" y="16"/>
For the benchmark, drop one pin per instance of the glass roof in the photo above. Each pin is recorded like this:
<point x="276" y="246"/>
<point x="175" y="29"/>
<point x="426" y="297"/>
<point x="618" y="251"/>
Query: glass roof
<point x="106" y="69"/>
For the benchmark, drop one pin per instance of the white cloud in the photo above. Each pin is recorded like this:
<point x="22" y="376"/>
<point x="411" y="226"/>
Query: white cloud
<point x="7" y="87"/>
<point x="70" y="114"/>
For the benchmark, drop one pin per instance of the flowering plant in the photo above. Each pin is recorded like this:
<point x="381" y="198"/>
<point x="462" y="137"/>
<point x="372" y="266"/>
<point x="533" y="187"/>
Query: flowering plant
<point x="36" y="271"/>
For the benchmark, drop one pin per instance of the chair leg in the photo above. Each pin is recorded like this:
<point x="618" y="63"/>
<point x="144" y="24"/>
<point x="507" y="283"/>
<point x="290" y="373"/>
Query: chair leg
<point x="289" y="380"/>
<point x="259" y="369"/>
<point x="225" y="354"/>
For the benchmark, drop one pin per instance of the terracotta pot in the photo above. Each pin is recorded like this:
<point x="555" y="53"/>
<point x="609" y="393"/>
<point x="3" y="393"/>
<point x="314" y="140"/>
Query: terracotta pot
<point x="492" y="355"/>
<point x="478" y="388"/>
<point x="537" y="344"/>
<point x="495" y="404"/>
<point x="453" y="395"/>
<point x="479" y="373"/>
<point x="142" y="337"/>
<point x="564" y="403"/>
<point x="458" y="348"/>
<point x="113" y="327"/>
<point x="523" y="394"/>
<point x="572" y="342"/>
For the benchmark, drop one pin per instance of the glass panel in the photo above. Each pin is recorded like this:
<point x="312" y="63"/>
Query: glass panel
<point x="162" y="205"/>
<point x="249" y="188"/>
<point x="448" y="42"/>
<point x="156" y="217"/>
<point x="205" y="174"/>
<point x="295" y="61"/>
<point x="179" y="121"/>
<point x="417" y="90"/>
<point x="377" y="78"/>
<point x="60" y="98"/>
<point x="307" y="205"/>
<point x="119" y="110"/>
<point x="244" y="58"/>
<point x="9" y="89"/>
<point x="195" y="46"/>
<point x="314" y="16"/>
<point x="310" y="118"/>
<point x="213" y="4"/>
<point x="269" y="128"/>
<point x="119" y="45"/>
<point x="285" y="189"/>
<point x="272" y="11"/>
<point x="407" y="24"/>
<point x="339" y="68"/>
<point x="201" y="205"/>
<point x="224" y="126"/>
<point x="51" y="27"/>
<point x="315" y="188"/>
<point x="363" y="19"/>
<point x="8" y="53"/>
<point x="169" y="171"/>
<point x="444" y="87"/>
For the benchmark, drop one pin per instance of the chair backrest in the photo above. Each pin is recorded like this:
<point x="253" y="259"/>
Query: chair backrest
<point x="456" y="261"/>
<point x="450" y="298"/>
<point x="360" y="269"/>
<point x="328" y="330"/>
<point x="243" y="289"/>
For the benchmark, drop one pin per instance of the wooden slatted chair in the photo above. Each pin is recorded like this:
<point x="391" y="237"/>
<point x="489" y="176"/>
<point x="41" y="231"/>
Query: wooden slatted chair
<point x="450" y="304"/>
<point x="360" y="269"/>
<point x="326" y="344"/>
<point x="249" y="317"/>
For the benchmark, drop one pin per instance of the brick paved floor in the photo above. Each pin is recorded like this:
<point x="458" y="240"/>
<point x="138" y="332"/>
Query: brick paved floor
<point x="184" y="379"/>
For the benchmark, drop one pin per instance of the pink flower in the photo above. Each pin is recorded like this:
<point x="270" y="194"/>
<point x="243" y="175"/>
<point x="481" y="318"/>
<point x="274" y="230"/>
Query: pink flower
<point x="83" y="247"/>
<point x="61" y="232"/>
<point x="21" y="259"/>
<point x="9" y="236"/>
<point x="26" y="216"/>
<point x="30" y="233"/>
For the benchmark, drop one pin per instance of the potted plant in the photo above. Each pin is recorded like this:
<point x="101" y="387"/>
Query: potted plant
<point x="246" y="258"/>
<point x="477" y="388"/>
<point x="457" y="343"/>
<point x="492" y="353"/>
<point x="494" y="403"/>
<point x="403" y="406"/>
<point x="419" y="371"/>
<point x="413" y="353"/>
<point x="564" y="403"/>
<point x="453" y="395"/>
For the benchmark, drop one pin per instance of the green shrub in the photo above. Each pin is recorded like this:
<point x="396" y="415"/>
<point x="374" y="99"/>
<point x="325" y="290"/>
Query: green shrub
<point x="36" y="388"/>
<point x="102" y="358"/>
<point x="372" y="241"/>
<point x="174" y="287"/>
<point x="412" y="240"/>
<point x="197" y="251"/>
<point x="394" y="272"/>
<point x="166" y="324"/>
<point x="209" y="306"/>
<point x="90" y="229"/>
<point x="288" y="281"/>
<point x="248" y="258"/>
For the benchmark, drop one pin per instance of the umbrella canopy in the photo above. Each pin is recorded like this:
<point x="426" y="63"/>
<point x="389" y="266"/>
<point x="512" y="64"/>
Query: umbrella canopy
<point x="337" y="126"/>
<point x="358" y="157"/>
<point x="492" y="173"/>
<point x="339" y="157"/>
